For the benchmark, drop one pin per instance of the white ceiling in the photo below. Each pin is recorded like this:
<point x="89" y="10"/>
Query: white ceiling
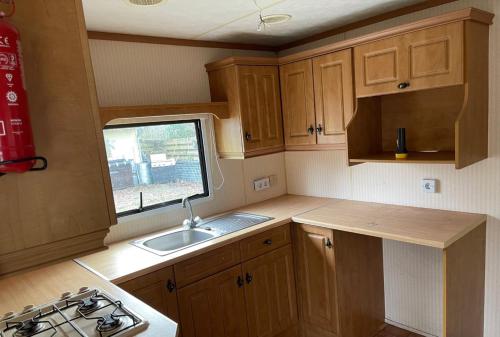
<point x="231" y="20"/>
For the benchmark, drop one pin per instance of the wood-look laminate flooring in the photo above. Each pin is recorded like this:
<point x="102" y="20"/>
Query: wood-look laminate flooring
<point x="392" y="331"/>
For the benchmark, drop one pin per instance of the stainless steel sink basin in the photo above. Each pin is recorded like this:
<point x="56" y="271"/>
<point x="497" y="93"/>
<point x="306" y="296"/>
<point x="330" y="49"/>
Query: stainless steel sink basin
<point x="177" y="240"/>
<point x="167" y="243"/>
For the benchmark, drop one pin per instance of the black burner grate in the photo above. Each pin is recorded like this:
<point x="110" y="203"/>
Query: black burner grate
<point x="107" y="325"/>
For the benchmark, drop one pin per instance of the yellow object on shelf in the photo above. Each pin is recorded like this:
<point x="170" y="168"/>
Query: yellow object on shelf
<point x="401" y="155"/>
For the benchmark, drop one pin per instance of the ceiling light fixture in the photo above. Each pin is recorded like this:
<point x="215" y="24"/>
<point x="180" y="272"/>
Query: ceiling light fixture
<point x="145" y="2"/>
<point x="272" y="19"/>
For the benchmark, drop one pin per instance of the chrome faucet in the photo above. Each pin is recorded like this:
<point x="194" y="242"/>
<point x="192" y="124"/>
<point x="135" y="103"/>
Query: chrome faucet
<point x="193" y="221"/>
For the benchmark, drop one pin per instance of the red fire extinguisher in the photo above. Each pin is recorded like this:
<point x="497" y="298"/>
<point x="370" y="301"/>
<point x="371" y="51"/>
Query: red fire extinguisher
<point x="17" y="151"/>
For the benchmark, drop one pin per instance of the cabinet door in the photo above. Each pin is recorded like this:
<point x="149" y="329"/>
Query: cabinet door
<point x="250" y="106"/>
<point x="333" y="94"/>
<point x="260" y="107"/>
<point x="215" y="306"/>
<point x="428" y="58"/>
<point x="380" y="66"/>
<point x="436" y="56"/>
<point x="270" y="293"/>
<point x="297" y="94"/>
<point x="157" y="290"/>
<point x="316" y="281"/>
<point x="270" y="107"/>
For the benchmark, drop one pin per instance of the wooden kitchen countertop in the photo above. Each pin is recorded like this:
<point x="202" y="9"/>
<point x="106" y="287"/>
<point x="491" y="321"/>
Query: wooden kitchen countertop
<point x="421" y="226"/>
<point x="48" y="283"/>
<point x="123" y="261"/>
<point x="428" y="227"/>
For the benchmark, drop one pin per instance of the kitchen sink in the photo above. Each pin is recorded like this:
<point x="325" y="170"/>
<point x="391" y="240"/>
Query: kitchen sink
<point x="167" y="243"/>
<point x="177" y="240"/>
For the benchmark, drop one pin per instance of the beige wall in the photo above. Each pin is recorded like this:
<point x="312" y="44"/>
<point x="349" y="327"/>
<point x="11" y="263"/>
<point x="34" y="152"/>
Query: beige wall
<point x="137" y="73"/>
<point x="412" y="273"/>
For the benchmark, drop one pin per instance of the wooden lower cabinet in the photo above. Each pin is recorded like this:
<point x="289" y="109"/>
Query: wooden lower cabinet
<point x="329" y="285"/>
<point x="316" y="281"/>
<point x="157" y="289"/>
<point x="214" y="306"/>
<point x="340" y="282"/>
<point x="270" y="293"/>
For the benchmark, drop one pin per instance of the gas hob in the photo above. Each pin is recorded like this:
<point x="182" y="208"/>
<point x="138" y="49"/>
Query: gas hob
<point x="90" y="313"/>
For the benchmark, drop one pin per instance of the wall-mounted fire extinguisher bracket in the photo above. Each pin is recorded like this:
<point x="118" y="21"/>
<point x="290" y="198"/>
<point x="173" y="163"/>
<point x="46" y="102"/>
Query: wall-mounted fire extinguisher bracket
<point x="43" y="163"/>
<point x="17" y="149"/>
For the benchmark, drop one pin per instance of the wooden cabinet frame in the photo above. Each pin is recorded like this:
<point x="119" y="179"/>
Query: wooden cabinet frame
<point x="441" y="131"/>
<point x="254" y="126"/>
<point x="318" y="101"/>
<point x="456" y="55"/>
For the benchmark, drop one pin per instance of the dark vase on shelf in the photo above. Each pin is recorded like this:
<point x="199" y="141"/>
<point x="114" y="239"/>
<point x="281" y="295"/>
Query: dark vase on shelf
<point x="401" y="152"/>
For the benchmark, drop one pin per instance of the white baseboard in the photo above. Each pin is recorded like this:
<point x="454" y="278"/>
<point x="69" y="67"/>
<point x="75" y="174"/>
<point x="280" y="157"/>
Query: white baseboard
<point x="402" y="326"/>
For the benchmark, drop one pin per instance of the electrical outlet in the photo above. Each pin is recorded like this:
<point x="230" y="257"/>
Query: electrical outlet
<point x="262" y="184"/>
<point x="429" y="185"/>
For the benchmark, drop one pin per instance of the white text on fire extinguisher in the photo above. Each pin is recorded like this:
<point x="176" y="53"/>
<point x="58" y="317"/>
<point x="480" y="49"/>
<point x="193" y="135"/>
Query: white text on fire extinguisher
<point x="2" y="128"/>
<point x="4" y="41"/>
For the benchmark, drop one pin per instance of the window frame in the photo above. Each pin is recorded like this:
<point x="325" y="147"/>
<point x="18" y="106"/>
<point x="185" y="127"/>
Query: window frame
<point x="203" y="163"/>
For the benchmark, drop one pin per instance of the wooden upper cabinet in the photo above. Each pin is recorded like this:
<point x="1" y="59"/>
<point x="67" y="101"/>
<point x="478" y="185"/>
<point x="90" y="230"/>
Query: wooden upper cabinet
<point x="251" y="88"/>
<point x="333" y="94"/>
<point x="214" y="306"/>
<point x="270" y="293"/>
<point x="436" y="56"/>
<point x="260" y="106"/>
<point x="318" y="101"/>
<point x="378" y="67"/>
<point x="424" y="59"/>
<point x="157" y="289"/>
<point x="440" y="72"/>
<point x="297" y="94"/>
<point x="316" y="281"/>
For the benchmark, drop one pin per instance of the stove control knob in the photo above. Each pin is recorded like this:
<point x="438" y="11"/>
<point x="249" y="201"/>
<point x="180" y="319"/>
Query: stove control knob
<point x="28" y="308"/>
<point x="83" y="290"/>
<point x="8" y="315"/>
<point x="65" y="295"/>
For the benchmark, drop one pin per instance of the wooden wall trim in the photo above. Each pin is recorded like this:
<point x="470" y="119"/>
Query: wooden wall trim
<point x="472" y="14"/>
<point x="50" y="252"/>
<point x="94" y="103"/>
<point x="242" y="60"/>
<point x="95" y="35"/>
<point x="365" y="22"/>
<point x="218" y="109"/>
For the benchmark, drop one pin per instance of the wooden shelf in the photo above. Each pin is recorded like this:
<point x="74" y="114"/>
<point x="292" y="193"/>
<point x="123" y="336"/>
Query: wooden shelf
<point x="445" y="157"/>
<point x="218" y="109"/>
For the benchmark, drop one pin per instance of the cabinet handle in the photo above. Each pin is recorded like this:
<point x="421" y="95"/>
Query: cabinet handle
<point x="240" y="282"/>
<point x="403" y="85"/>
<point x="248" y="278"/>
<point x="328" y="243"/>
<point x="170" y="286"/>
<point x="268" y="242"/>
<point x="310" y="130"/>
<point x="319" y="129"/>
<point x="248" y="136"/>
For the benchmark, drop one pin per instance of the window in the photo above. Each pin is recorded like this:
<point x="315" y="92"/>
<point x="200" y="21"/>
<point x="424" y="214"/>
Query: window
<point x="155" y="164"/>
